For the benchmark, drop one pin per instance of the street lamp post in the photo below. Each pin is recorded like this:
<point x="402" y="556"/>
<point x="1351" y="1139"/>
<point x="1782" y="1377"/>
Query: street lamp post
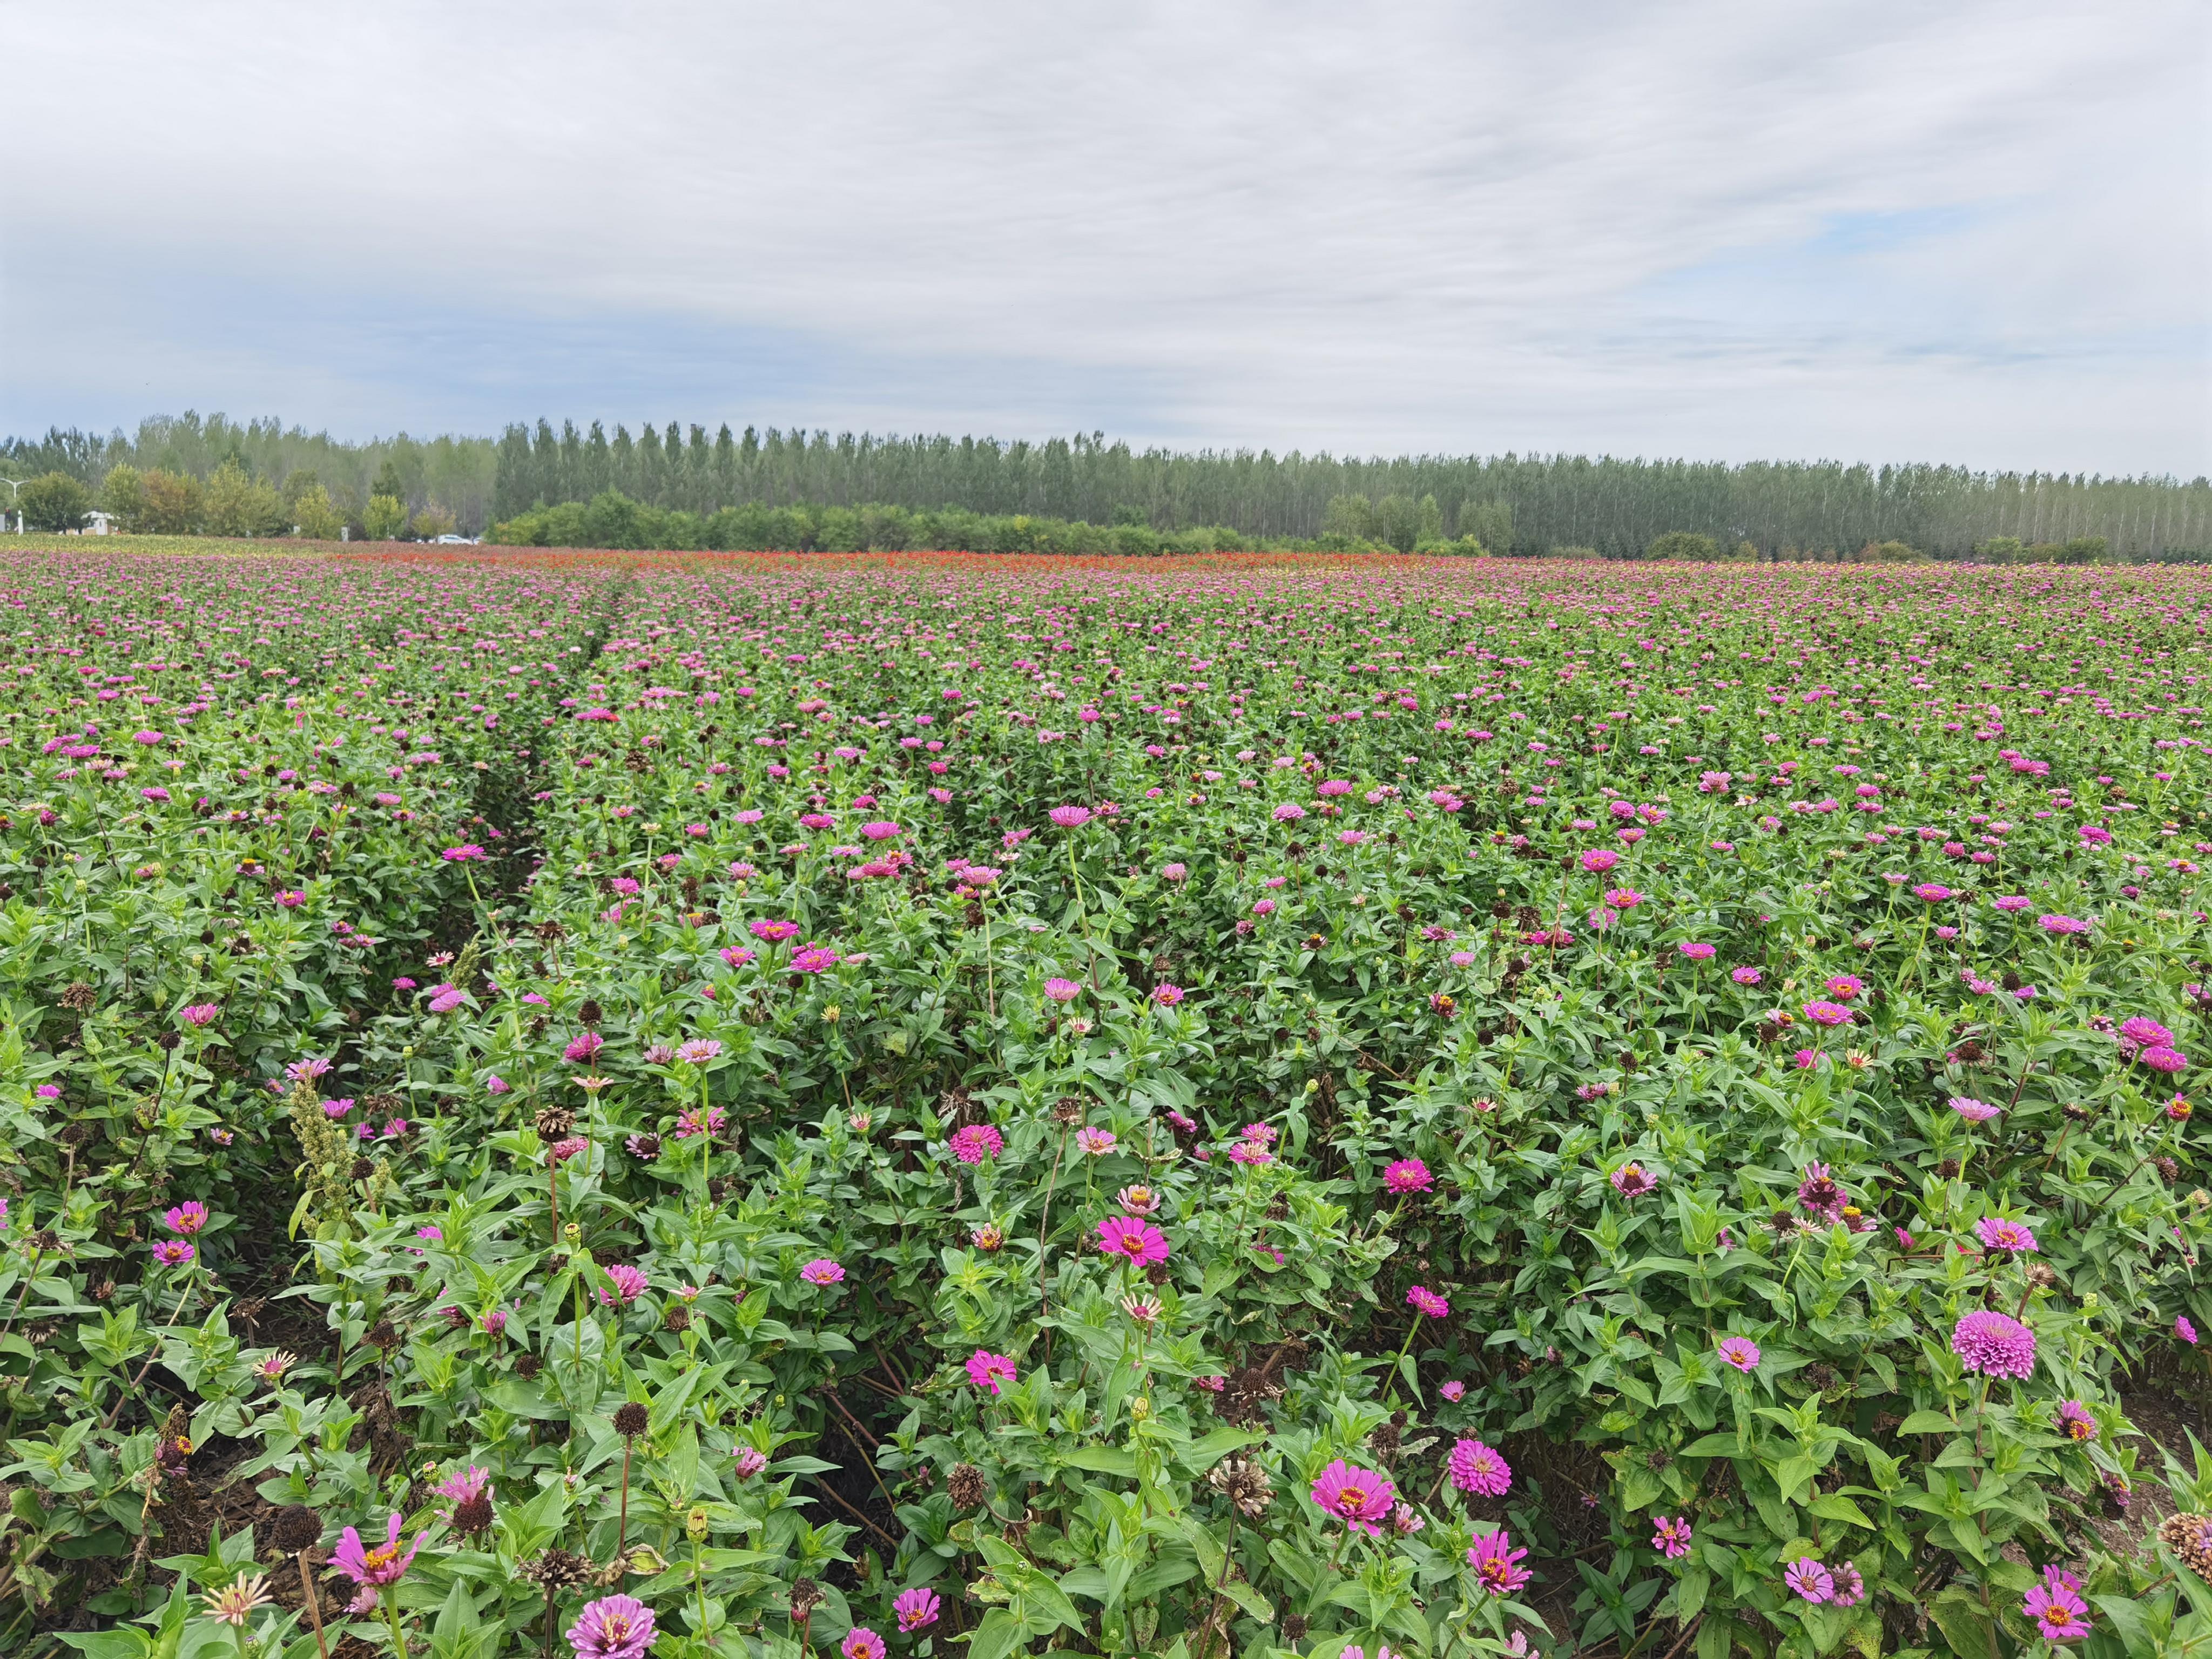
<point x="14" y="486"/>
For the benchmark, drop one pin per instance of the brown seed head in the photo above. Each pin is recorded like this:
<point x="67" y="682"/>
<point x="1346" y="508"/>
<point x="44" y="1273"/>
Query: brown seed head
<point x="631" y="1419"/>
<point x="296" y="1528"/>
<point x="968" y="1488"/>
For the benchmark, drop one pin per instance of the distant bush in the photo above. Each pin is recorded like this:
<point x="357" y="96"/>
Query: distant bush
<point x="1683" y="545"/>
<point x="53" y="500"/>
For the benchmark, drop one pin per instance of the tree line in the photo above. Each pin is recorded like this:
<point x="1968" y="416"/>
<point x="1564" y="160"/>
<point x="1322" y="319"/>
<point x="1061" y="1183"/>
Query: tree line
<point x="189" y="475"/>
<point x="219" y="475"/>
<point x="1511" y="504"/>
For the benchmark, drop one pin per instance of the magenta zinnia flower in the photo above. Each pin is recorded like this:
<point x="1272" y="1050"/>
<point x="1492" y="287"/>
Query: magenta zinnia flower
<point x="1137" y="1243"/>
<point x="2183" y="1329"/>
<point x="1062" y="990"/>
<point x="1427" y="1302"/>
<point x="977" y="1142"/>
<point x="373" y="1569"/>
<point x="916" y="1609"/>
<point x="1357" y="1497"/>
<point x="1670" y="1535"/>
<point x="1409" y="1175"/>
<point x="772" y="930"/>
<point x="2075" y="1420"/>
<point x="612" y="1627"/>
<point x="822" y="1271"/>
<point x="186" y="1219"/>
<point x="986" y="1368"/>
<point x="1974" y="1112"/>
<point x="861" y="1643"/>
<point x="1828" y="1013"/>
<point x="1167" y="995"/>
<point x="584" y="1047"/>
<point x="1070" y="817"/>
<point x="1476" y="1467"/>
<point x="1994" y="1343"/>
<point x="1497" y="1563"/>
<point x="2058" y="1612"/>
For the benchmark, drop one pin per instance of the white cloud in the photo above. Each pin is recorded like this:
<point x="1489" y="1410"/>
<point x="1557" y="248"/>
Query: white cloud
<point x="1874" y="230"/>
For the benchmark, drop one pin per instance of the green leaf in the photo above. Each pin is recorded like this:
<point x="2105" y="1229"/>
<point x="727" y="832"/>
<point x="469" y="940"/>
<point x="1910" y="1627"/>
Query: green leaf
<point x="1928" y="1422"/>
<point x="1103" y="1460"/>
<point x="1959" y="1615"/>
<point x="999" y="1635"/>
<point x="1203" y="1453"/>
<point x="1835" y="1506"/>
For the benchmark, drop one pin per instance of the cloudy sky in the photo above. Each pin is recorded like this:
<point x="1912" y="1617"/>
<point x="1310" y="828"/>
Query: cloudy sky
<point x="1966" y="232"/>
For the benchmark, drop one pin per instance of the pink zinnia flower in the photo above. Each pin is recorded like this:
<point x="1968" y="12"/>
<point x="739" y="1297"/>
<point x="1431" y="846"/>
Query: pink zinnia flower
<point x="1828" y="1013"/>
<point x="1136" y="1242"/>
<point x="1974" y="1112"/>
<point x="772" y="931"/>
<point x="1409" y="1175"/>
<point x="822" y="1271"/>
<point x="187" y="1218"/>
<point x="1357" y="1497"/>
<point x="1746" y="975"/>
<point x="1427" y="1302"/>
<point x="1740" y="1351"/>
<point x="385" y="1565"/>
<point x="1070" y="817"/>
<point x="613" y="1627"/>
<point x="174" y="1253"/>
<point x="1476" y="1467"/>
<point x="986" y="1369"/>
<point x="1670" y="1535"/>
<point x="1696" y="950"/>
<point x="1810" y="1580"/>
<point x="1453" y="1390"/>
<point x="2075" y="1421"/>
<point x="861" y="1643"/>
<point x="1599" y="860"/>
<point x="751" y="1460"/>
<point x="1062" y="990"/>
<point x="200" y="1013"/>
<point x="2058" y="1612"/>
<point x="977" y="1142"/>
<point x="2183" y="1329"/>
<point x="1994" y="1343"/>
<point x="584" y="1047"/>
<point x="630" y="1284"/>
<point x="1096" y="1142"/>
<point x="2012" y="1237"/>
<point x="1167" y="995"/>
<point x="1929" y="892"/>
<point x="1633" y="1181"/>
<point x="1497" y="1563"/>
<point x="917" y="1608"/>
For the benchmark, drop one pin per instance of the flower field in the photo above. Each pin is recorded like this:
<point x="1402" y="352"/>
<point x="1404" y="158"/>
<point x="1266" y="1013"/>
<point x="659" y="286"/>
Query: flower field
<point x="933" y="1106"/>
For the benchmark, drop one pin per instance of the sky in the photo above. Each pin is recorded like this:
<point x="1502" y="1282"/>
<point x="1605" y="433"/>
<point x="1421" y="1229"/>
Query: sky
<point x="1971" y="232"/>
